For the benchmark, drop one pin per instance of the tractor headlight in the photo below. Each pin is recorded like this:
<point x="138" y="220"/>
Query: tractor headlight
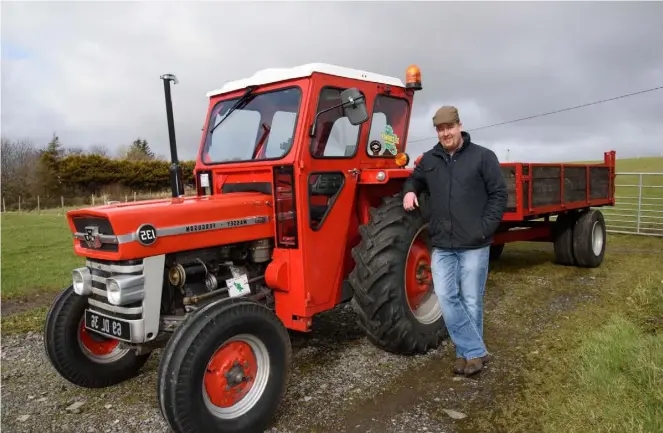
<point x="122" y="290"/>
<point x="82" y="281"/>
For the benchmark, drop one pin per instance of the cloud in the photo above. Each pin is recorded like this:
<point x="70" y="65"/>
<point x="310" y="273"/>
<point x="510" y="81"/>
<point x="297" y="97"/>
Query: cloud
<point x="90" y="71"/>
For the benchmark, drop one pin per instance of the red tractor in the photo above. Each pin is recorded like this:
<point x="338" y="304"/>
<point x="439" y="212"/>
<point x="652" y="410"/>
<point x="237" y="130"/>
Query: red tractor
<point x="298" y="210"/>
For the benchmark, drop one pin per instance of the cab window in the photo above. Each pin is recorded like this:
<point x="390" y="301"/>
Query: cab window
<point x="388" y="125"/>
<point x="335" y="136"/>
<point x="261" y="128"/>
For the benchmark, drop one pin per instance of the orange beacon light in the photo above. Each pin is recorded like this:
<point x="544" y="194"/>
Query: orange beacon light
<point x="413" y="78"/>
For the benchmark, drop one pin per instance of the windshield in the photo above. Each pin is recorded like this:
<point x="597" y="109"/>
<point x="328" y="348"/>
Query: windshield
<point x="262" y="127"/>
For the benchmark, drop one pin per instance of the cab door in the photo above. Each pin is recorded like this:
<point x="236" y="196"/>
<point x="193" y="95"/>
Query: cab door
<point x="328" y="182"/>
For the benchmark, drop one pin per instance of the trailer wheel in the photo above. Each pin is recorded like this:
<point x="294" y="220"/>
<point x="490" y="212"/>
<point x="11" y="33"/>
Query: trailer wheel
<point x="393" y="291"/>
<point x="225" y="369"/>
<point x="563" y="239"/>
<point x="83" y="357"/>
<point x="589" y="236"/>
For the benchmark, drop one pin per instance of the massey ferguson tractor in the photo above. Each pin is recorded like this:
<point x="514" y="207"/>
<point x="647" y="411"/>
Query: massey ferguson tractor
<point x="298" y="209"/>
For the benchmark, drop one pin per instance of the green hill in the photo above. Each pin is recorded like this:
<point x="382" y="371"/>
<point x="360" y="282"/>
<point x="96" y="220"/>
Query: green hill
<point x="653" y="164"/>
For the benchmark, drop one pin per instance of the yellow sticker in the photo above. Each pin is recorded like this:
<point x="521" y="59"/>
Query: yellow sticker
<point x="390" y="139"/>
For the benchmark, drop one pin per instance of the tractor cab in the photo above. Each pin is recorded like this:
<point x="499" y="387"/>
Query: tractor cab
<point x="307" y="137"/>
<point x="314" y="112"/>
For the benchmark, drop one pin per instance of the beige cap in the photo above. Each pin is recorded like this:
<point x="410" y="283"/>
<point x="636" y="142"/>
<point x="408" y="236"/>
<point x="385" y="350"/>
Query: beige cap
<point x="446" y="114"/>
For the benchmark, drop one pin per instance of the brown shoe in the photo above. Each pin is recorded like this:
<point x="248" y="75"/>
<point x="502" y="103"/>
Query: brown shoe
<point x="475" y="365"/>
<point x="459" y="365"/>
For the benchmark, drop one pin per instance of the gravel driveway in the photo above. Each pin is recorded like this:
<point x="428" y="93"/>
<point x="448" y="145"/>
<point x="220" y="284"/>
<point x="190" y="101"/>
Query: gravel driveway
<point x="339" y="381"/>
<point x="336" y="372"/>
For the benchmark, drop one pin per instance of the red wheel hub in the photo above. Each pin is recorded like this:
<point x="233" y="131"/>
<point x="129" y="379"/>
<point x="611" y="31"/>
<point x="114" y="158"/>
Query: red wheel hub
<point x="418" y="275"/>
<point x="95" y="343"/>
<point x="230" y="373"/>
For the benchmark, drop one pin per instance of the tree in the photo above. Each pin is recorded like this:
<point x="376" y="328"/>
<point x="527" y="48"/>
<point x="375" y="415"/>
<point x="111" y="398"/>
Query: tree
<point x="55" y="147"/>
<point x="140" y="151"/>
<point x="19" y="168"/>
<point x="99" y="149"/>
<point x="48" y="179"/>
<point x="73" y="151"/>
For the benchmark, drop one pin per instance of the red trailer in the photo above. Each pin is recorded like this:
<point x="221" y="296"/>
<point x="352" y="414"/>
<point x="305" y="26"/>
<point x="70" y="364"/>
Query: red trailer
<point x="567" y="191"/>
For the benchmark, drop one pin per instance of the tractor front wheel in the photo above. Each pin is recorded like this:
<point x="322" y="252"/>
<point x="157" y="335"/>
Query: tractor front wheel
<point x="83" y="357"/>
<point x="225" y="369"/>
<point x="392" y="280"/>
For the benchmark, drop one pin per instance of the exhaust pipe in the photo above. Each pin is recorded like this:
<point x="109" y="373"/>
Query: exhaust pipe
<point x="176" y="183"/>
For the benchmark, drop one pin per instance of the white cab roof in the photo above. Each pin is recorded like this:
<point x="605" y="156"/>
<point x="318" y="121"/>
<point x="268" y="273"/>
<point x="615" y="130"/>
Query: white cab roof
<point x="273" y="75"/>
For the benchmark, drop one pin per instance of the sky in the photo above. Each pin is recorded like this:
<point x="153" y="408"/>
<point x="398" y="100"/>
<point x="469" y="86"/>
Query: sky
<point x="89" y="71"/>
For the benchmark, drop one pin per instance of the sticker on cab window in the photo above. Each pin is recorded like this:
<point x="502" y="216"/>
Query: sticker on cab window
<point x="376" y="147"/>
<point x="391" y="140"/>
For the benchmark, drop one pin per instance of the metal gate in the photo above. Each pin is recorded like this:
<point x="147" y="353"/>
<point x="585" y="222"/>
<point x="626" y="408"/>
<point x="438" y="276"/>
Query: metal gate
<point x="638" y="204"/>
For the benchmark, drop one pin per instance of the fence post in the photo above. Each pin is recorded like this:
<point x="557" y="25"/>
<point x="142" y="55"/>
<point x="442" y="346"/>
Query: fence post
<point x="134" y="195"/>
<point x="38" y="208"/>
<point x="19" y="204"/>
<point x="639" y="203"/>
<point x="4" y="206"/>
<point x="62" y="202"/>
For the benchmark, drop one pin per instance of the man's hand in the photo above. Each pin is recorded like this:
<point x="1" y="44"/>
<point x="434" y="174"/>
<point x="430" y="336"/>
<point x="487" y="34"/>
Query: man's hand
<point x="409" y="201"/>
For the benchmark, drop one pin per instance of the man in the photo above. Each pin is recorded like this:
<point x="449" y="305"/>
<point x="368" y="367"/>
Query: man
<point x="468" y="196"/>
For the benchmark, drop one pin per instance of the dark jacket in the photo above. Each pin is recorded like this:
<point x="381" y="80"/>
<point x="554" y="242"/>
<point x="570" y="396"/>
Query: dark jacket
<point x="467" y="194"/>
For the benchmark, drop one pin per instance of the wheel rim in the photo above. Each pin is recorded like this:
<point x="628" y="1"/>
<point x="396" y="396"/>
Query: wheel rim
<point x="97" y="347"/>
<point x="236" y="377"/>
<point x="597" y="238"/>
<point x="419" y="291"/>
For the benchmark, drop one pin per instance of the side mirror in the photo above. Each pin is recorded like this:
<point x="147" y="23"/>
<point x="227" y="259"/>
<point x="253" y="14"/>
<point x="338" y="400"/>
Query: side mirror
<point x="354" y="106"/>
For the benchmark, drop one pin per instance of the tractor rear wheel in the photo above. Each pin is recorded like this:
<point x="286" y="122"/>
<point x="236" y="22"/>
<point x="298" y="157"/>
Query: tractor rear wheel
<point x="83" y="357"/>
<point x="392" y="280"/>
<point x="225" y="369"/>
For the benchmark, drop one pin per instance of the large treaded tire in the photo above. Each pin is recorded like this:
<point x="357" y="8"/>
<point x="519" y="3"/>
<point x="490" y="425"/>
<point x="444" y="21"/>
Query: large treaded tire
<point x="63" y="347"/>
<point x="589" y="236"/>
<point x="184" y="365"/>
<point x="378" y="280"/>
<point x="563" y="239"/>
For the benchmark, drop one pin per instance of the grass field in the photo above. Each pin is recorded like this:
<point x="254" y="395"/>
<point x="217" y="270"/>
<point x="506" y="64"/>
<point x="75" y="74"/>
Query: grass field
<point x="599" y="368"/>
<point x="37" y="253"/>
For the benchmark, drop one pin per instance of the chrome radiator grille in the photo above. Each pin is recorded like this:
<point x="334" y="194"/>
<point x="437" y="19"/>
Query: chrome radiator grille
<point x="100" y="271"/>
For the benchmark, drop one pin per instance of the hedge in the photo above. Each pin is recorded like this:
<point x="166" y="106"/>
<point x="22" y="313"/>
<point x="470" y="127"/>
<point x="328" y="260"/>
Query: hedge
<point x="89" y="174"/>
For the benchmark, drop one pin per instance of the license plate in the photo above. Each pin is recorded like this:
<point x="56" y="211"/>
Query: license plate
<point x="110" y="326"/>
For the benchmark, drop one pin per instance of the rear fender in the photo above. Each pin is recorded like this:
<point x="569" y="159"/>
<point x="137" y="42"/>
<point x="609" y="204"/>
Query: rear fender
<point x="374" y="185"/>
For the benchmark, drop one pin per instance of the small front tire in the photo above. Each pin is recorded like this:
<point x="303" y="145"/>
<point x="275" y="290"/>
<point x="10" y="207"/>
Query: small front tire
<point x="225" y="369"/>
<point x="83" y="357"/>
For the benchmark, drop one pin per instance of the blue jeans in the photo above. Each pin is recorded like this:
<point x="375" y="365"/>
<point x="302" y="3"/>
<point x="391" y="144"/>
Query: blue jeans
<point x="459" y="280"/>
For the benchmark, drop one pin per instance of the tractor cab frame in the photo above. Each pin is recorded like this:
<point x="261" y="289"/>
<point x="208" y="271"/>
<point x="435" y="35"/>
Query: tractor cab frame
<point x="309" y="136"/>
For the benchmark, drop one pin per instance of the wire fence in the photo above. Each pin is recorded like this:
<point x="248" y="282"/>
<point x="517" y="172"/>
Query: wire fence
<point x="49" y="203"/>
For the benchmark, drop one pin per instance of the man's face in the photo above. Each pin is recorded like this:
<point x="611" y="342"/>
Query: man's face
<point x="449" y="135"/>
